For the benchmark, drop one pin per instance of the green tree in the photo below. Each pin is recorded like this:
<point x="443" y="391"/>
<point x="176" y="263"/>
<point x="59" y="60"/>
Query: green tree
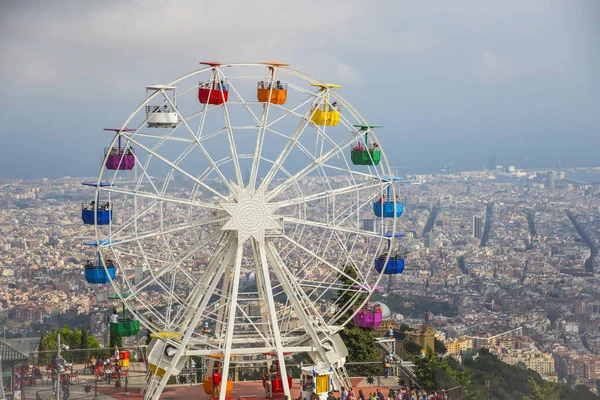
<point x="544" y="390"/>
<point x="428" y="367"/>
<point x="345" y="297"/>
<point x="425" y="368"/>
<point x="411" y="348"/>
<point x="571" y="380"/>
<point x="71" y="338"/>
<point x="359" y="340"/>
<point x="439" y="347"/>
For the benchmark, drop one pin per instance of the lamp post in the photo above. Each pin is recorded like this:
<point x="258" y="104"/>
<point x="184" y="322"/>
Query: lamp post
<point x="57" y="366"/>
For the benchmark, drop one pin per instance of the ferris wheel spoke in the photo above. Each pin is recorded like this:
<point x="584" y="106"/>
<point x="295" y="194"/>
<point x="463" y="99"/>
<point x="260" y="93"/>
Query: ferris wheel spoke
<point x="286" y="151"/>
<point x="169" y="163"/>
<point x="154" y="278"/>
<point x="322" y="260"/>
<point x="220" y="257"/>
<point x="241" y="99"/>
<point x="232" y="148"/>
<point x="292" y="111"/>
<point x="260" y="140"/>
<point x="330" y="227"/>
<point x="171" y="139"/>
<point x="311" y="167"/>
<point x="263" y="338"/>
<point x="198" y="144"/>
<point x="163" y="197"/>
<point x="133" y="218"/>
<point x="302" y="304"/>
<point x="329" y="193"/>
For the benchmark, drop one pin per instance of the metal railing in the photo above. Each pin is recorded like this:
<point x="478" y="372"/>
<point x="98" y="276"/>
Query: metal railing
<point x="266" y="84"/>
<point x="100" y="207"/>
<point x="165" y="108"/>
<point x="113" y="151"/>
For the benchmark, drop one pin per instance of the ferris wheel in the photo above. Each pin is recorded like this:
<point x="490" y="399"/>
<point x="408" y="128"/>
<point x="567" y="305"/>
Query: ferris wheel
<point x="247" y="211"/>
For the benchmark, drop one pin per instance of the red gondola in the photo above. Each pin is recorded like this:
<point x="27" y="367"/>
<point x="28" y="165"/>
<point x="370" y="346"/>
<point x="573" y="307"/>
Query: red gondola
<point x="214" y="91"/>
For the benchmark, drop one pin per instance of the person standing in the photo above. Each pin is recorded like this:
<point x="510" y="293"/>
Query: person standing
<point x="216" y="378"/>
<point x="268" y="385"/>
<point x="64" y="386"/>
<point x="343" y="393"/>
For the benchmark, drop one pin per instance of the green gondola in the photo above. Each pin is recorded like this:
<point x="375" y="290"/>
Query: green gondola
<point x="365" y="155"/>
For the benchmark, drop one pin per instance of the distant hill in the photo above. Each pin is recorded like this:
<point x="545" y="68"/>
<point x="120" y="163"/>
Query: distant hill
<point x="509" y="382"/>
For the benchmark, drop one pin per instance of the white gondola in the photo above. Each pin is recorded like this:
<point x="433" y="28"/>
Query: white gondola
<point x="162" y="113"/>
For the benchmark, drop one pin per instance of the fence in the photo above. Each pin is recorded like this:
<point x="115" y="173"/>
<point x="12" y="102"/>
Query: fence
<point x="375" y="372"/>
<point x="446" y="382"/>
<point x="83" y="356"/>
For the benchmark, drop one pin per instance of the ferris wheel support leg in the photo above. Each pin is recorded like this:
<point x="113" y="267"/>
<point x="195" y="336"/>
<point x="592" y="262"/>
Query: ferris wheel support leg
<point x="231" y="319"/>
<point x="222" y="310"/>
<point x="273" y="317"/>
<point x="278" y="268"/>
<point x="155" y="395"/>
<point x="260" y="286"/>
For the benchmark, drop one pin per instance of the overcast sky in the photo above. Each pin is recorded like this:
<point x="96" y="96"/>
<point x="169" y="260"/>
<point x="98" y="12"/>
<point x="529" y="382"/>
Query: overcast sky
<point x="452" y="81"/>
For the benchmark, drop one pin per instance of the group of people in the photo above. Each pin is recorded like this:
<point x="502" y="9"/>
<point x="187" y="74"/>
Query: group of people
<point x="360" y="147"/>
<point x="108" y="367"/>
<point x="383" y="199"/>
<point x="101" y="207"/>
<point x="214" y="85"/>
<point x="403" y="393"/>
<point x="332" y="107"/>
<point x="115" y="152"/>
<point x="277" y="85"/>
<point x="163" y="109"/>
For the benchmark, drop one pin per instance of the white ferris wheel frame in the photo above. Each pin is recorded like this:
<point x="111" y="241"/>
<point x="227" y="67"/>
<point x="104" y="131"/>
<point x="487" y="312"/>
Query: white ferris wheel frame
<point x="229" y="251"/>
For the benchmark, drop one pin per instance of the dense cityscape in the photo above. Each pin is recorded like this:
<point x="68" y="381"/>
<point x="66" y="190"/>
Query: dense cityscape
<point x="502" y="259"/>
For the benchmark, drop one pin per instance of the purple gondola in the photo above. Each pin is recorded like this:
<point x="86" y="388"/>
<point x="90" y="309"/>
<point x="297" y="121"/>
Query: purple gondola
<point x="369" y="317"/>
<point x="121" y="158"/>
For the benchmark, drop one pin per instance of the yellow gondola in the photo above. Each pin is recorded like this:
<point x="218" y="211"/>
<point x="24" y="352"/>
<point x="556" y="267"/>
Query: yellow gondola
<point x="327" y="114"/>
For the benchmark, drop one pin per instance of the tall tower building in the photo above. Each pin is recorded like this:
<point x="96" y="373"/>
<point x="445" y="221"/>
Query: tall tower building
<point x="493" y="162"/>
<point x="428" y="240"/>
<point x="551" y="180"/>
<point x="139" y="274"/>
<point x="477" y="227"/>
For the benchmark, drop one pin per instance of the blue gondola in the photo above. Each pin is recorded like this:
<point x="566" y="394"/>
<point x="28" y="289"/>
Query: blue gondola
<point x="395" y="264"/>
<point x="386" y="208"/>
<point x="95" y="209"/>
<point x="95" y="272"/>
<point x="103" y="214"/>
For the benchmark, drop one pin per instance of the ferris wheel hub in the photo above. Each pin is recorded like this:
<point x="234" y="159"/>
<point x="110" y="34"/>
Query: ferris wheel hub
<point x="250" y="215"/>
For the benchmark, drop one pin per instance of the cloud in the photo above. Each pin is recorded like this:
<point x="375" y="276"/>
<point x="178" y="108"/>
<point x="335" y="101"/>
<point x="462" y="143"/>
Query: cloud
<point x="74" y="42"/>
<point x="489" y="67"/>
